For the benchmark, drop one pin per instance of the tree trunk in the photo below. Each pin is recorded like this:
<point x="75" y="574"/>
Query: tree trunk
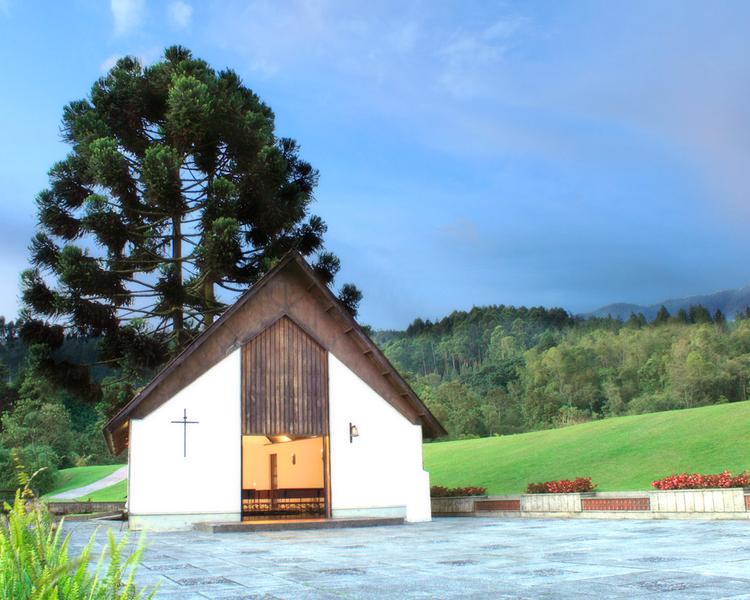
<point x="209" y="297"/>
<point x="178" y="318"/>
<point x="210" y="300"/>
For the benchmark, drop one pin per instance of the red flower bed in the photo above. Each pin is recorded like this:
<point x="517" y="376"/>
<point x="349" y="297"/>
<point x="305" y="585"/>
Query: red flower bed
<point x="697" y="481"/>
<point x="562" y="486"/>
<point x="438" y="491"/>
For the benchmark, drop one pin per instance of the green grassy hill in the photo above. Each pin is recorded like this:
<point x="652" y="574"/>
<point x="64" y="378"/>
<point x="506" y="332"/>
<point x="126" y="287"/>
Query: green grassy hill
<point x="623" y="453"/>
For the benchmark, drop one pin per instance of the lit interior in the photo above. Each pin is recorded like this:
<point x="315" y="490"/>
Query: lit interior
<point x="299" y="463"/>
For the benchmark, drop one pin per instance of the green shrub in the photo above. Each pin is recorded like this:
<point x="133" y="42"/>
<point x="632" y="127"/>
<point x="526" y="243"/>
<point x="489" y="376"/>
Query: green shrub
<point x="438" y="491"/>
<point x="562" y="486"/>
<point x="34" y="561"/>
<point x="39" y="422"/>
<point x="90" y="442"/>
<point x="40" y="459"/>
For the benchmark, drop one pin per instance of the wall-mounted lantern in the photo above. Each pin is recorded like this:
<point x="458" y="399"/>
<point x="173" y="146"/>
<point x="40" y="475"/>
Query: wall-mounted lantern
<point x="353" y="432"/>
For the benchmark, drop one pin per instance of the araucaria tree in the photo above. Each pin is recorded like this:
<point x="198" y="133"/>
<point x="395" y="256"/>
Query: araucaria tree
<point x="176" y="196"/>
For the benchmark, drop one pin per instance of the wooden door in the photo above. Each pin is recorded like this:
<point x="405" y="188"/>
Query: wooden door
<point x="274" y="472"/>
<point x="274" y="466"/>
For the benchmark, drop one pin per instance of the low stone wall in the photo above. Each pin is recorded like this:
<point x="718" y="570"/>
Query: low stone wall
<point x="498" y="503"/>
<point x="615" y="504"/>
<point x="732" y="503"/>
<point x="545" y="503"/>
<point x="454" y="506"/>
<point x="596" y="502"/>
<point x="701" y="501"/>
<point x="79" y="508"/>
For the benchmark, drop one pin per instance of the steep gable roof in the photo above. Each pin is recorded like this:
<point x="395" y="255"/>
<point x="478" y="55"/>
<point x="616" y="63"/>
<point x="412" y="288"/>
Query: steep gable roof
<point x="290" y="289"/>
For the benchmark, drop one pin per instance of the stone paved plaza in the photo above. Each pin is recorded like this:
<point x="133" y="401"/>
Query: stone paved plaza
<point x="455" y="558"/>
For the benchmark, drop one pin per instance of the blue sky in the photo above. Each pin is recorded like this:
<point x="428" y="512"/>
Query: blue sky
<point x="569" y="154"/>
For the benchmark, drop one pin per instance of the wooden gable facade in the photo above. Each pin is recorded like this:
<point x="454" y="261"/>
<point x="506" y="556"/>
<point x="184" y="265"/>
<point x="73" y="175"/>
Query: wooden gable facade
<point x="284" y="325"/>
<point x="284" y="383"/>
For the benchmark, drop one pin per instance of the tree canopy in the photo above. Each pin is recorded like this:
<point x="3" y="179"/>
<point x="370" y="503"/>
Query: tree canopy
<point x="177" y="195"/>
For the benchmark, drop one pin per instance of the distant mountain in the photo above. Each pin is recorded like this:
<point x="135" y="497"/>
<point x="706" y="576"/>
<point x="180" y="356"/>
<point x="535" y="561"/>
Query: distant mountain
<point x="730" y="302"/>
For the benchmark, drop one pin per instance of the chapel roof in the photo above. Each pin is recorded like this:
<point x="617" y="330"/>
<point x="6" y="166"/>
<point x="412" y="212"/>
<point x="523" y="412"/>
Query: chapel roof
<point x="290" y="289"/>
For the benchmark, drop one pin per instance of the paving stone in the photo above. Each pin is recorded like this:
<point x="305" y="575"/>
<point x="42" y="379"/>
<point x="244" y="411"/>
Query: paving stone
<point x="452" y="558"/>
<point x="563" y="556"/>
<point x="194" y="581"/>
<point x="548" y="572"/>
<point x="655" y="559"/>
<point x="272" y="593"/>
<point x="342" y="571"/>
<point x="170" y="567"/>
<point x="179" y="595"/>
<point x="666" y="585"/>
<point x="458" y="563"/>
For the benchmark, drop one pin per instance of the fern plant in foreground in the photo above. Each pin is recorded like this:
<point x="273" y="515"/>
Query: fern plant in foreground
<point x="35" y="565"/>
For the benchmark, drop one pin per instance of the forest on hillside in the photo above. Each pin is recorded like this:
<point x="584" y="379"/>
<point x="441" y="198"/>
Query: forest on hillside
<point x="501" y="369"/>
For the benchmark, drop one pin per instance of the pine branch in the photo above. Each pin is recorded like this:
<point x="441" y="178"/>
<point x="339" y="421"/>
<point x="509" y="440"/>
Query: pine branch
<point x="230" y="288"/>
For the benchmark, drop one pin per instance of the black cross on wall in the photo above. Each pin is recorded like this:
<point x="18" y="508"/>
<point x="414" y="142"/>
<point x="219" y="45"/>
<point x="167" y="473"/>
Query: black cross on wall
<point x="184" y="422"/>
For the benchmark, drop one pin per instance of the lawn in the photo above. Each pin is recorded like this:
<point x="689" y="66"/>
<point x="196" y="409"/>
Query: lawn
<point x="113" y="493"/>
<point x="623" y="453"/>
<point x="68" y="479"/>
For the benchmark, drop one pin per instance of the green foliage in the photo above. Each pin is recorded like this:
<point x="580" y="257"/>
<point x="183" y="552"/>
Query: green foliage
<point x="35" y="563"/>
<point x="39" y="427"/>
<point x="34" y="422"/>
<point x="437" y="491"/>
<point x="662" y="316"/>
<point x="350" y="297"/>
<point x="41" y="460"/>
<point x="7" y="391"/>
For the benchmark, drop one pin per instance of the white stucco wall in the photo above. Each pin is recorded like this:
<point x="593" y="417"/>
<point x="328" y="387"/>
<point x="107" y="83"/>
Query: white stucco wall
<point x="170" y="491"/>
<point x="380" y="473"/>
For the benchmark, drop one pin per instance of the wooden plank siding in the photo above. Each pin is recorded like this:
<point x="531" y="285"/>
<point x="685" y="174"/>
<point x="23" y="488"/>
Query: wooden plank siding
<point x="285" y="383"/>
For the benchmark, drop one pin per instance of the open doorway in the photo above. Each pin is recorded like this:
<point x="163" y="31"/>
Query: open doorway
<point x="285" y="413"/>
<point x="284" y="476"/>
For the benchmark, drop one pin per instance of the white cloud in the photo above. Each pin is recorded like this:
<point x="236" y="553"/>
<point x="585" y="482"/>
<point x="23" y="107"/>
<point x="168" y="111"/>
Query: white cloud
<point x="180" y="14"/>
<point x="467" y="57"/>
<point x="127" y="14"/>
<point x="108" y="63"/>
<point x="145" y="57"/>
